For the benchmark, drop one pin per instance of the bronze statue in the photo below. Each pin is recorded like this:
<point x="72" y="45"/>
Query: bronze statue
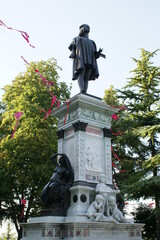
<point x="85" y="55"/>
<point x="61" y="180"/>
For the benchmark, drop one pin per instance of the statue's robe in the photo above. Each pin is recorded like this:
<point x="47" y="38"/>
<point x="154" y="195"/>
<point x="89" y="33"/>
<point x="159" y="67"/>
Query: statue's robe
<point x="84" y="54"/>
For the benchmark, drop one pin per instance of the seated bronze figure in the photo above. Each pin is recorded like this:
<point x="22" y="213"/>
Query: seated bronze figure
<point x="61" y="180"/>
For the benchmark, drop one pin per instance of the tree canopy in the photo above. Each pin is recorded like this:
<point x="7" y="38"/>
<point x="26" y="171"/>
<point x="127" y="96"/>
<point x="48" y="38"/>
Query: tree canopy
<point x="25" y="159"/>
<point x="141" y="120"/>
<point x="138" y="145"/>
<point x="145" y="214"/>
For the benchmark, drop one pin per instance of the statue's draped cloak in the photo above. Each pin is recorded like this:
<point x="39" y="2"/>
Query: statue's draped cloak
<point x="84" y="51"/>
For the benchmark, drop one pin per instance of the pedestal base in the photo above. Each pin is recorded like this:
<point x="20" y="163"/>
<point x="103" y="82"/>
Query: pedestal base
<point x="58" y="228"/>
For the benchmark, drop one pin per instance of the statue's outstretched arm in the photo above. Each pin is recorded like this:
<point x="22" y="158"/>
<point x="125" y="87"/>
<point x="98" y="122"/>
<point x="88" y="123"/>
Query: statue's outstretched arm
<point x="100" y="54"/>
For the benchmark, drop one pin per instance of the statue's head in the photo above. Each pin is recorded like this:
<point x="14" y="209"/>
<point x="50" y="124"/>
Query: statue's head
<point x="99" y="198"/>
<point x="111" y="200"/>
<point x="84" y="29"/>
<point x="102" y="178"/>
<point x="61" y="161"/>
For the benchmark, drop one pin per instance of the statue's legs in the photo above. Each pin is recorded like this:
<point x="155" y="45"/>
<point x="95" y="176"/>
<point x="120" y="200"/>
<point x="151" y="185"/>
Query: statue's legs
<point x="83" y="79"/>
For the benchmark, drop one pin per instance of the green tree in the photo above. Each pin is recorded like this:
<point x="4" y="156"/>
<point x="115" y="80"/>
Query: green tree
<point x="143" y="213"/>
<point x="1" y="111"/>
<point x="25" y="164"/>
<point x="118" y="147"/>
<point x="138" y="146"/>
<point x="110" y="97"/>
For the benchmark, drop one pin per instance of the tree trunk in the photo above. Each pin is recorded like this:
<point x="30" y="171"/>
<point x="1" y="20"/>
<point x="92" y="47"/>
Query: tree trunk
<point x="19" y="234"/>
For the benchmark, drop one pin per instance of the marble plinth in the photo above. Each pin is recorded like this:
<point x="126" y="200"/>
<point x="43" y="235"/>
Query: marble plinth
<point x="58" y="228"/>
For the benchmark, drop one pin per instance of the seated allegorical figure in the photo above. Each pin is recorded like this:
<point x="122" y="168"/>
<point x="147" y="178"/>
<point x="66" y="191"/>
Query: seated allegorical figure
<point x="96" y="208"/>
<point x="103" y="189"/>
<point x="114" y="211"/>
<point x="61" y="180"/>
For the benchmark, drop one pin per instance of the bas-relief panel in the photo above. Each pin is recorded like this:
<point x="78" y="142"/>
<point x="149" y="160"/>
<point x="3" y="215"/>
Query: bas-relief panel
<point x="93" y="153"/>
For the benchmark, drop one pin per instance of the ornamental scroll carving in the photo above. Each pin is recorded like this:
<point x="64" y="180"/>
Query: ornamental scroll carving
<point x="82" y="155"/>
<point x="86" y="114"/>
<point x="79" y="155"/>
<point x="60" y="145"/>
<point x="108" y="160"/>
<point x="76" y="170"/>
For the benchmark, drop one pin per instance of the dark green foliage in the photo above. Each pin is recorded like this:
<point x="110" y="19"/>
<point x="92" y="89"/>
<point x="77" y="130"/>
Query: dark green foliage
<point x="146" y="214"/>
<point x="138" y="147"/>
<point x="25" y="160"/>
<point x="141" y="123"/>
<point x="110" y="97"/>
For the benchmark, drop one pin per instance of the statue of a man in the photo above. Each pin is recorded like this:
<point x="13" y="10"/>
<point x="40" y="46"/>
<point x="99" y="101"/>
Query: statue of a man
<point x="84" y="54"/>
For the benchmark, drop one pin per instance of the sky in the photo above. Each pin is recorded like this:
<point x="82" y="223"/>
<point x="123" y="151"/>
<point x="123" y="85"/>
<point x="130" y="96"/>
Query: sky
<point x="120" y="27"/>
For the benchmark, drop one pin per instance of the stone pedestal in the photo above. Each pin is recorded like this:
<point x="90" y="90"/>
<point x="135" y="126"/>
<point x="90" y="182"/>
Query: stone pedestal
<point x="56" y="228"/>
<point x="85" y="137"/>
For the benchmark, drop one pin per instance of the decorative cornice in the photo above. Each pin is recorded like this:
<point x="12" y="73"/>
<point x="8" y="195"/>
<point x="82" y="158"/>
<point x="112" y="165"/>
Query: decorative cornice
<point x="107" y="132"/>
<point x="60" y="134"/>
<point x="79" y="126"/>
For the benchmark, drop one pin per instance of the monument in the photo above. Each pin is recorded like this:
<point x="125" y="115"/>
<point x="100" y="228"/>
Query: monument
<point x="80" y="198"/>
